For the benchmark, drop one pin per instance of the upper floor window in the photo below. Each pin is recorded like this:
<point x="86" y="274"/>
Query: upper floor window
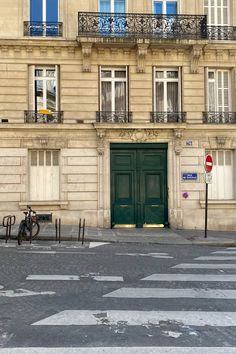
<point x="113" y="90"/>
<point x="47" y="12"/>
<point x="165" y="7"/>
<point x="116" y="6"/>
<point x="219" y="90"/>
<point x="45" y="84"/>
<point x="217" y="12"/>
<point x="167" y="90"/>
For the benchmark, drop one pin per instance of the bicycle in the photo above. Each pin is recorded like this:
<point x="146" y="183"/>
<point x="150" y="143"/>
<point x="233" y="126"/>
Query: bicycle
<point x="27" y="224"/>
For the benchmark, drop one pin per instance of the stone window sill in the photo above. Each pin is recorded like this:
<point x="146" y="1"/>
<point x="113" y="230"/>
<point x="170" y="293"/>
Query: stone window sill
<point x="44" y="205"/>
<point x="219" y="204"/>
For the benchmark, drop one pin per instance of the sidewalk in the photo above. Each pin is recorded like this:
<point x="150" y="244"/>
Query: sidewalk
<point x="158" y="236"/>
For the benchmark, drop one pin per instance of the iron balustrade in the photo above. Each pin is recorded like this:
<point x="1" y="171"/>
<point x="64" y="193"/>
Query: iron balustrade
<point x="114" y="117"/>
<point x="168" y="117"/>
<point x="42" y="29"/>
<point x="142" y="25"/>
<point x="37" y="117"/>
<point x="221" y="32"/>
<point x="219" y="117"/>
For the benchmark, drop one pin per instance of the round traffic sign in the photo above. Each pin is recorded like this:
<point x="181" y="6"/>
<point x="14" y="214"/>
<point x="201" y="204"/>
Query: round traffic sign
<point x="208" y="163"/>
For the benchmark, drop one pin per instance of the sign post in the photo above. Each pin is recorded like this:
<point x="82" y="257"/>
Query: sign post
<point x="208" y="168"/>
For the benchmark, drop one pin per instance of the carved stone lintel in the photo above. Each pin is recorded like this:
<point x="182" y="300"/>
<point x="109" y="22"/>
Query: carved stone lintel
<point x="43" y="51"/>
<point x="221" y="140"/>
<point x="196" y="54"/>
<point x="86" y="54"/>
<point x="141" y="56"/>
<point x="101" y="141"/>
<point x="44" y="141"/>
<point x="139" y="135"/>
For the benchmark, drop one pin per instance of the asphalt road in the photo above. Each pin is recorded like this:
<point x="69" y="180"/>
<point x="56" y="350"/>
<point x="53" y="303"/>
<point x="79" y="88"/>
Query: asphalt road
<point x="117" y="298"/>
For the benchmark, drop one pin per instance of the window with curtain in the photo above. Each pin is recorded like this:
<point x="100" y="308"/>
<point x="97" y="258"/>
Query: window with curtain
<point x="217" y="12"/>
<point x="222" y="186"/>
<point x="218" y="90"/>
<point x="44" y="11"/>
<point x="167" y="90"/>
<point x="113" y="90"/>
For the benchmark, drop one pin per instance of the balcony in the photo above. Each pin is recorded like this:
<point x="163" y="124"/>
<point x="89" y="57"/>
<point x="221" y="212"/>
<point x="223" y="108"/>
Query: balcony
<point x="114" y="117"/>
<point x="221" y="32"/>
<point x="92" y="24"/>
<point x="168" y="117"/>
<point x="43" y="29"/>
<point x="44" y="116"/>
<point x="219" y="117"/>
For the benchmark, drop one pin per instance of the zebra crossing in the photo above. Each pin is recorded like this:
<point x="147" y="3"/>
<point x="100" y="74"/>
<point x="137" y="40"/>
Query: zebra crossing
<point x="179" y="319"/>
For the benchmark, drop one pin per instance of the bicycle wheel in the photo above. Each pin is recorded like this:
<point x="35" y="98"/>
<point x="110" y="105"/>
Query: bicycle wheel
<point x="35" y="230"/>
<point x="21" y="232"/>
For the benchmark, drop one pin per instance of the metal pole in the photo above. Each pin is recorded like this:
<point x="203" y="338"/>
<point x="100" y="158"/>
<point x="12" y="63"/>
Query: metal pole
<point x="56" y="228"/>
<point x="206" y="210"/>
<point x="79" y="230"/>
<point x="59" y="230"/>
<point x="7" y="229"/>
<point x="31" y="225"/>
<point x="83" y="231"/>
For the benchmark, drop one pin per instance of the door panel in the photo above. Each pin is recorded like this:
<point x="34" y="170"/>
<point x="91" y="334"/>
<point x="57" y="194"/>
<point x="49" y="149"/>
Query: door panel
<point x="139" y="185"/>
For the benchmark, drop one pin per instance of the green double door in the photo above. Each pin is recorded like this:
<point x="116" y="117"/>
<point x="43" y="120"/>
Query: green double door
<point x="139" y="185"/>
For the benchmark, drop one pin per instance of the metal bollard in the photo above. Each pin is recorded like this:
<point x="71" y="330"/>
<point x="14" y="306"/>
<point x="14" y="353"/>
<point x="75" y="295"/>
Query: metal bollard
<point x="56" y="229"/>
<point x="83" y="231"/>
<point x="59" y="229"/>
<point x="79" y="230"/>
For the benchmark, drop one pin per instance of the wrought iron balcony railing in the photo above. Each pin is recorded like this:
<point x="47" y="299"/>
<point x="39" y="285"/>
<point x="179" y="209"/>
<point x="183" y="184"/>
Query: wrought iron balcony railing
<point x="38" y="117"/>
<point x="219" y="117"/>
<point x="168" y="117"/>
<point x="43" y="29"/>
<point x="114" y="117"/>
<point x="142" y="25"/>
<point x="221" y="32"/>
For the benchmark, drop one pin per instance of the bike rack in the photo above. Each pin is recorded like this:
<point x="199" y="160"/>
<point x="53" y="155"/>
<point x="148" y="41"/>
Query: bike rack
<point x="8" y="221"/>
<point x="83" y="230"/>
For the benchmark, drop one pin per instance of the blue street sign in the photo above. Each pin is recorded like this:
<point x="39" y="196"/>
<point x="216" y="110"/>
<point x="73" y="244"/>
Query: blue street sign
<point x="189" y="176"/>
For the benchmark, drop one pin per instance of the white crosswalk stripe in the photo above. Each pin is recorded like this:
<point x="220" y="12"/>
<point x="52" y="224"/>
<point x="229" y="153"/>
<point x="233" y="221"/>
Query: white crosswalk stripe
<point x="191" y="277"/>
<point x="138" y="318"/>
<point x="224" y="252"/>
<point x="55" y="277"/>
<point x="145" y="293"/>
<point x="216" y="258"/>
<point x="205" y="266"/>
<point x="121" y="350"/>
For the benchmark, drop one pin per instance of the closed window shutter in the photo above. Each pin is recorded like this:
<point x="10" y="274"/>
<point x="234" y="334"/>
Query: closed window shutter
<point x="222" y="186"/>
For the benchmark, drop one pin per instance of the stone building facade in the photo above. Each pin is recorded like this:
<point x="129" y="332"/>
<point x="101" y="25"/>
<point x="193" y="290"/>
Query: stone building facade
<point x="108" y="108"/>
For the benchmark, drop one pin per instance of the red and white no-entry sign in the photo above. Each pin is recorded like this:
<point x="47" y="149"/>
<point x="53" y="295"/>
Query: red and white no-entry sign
<point x="208" y="163"/>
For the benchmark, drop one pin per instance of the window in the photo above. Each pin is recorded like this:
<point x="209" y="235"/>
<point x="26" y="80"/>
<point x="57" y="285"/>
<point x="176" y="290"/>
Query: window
<point x="217" y="12"/>
<point x="218" y="90"/>
<point x="165" y="7"/>
<point x="44" y="11"/>
<point x="116" y="6"/>
<point x="113" y="88"/>
<point x="44" y="175"/>
<point x="112" y="25"/>
<point x="167" y="90"/>
<point x="222" y="186"/>
<point x="45" y="88"/>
